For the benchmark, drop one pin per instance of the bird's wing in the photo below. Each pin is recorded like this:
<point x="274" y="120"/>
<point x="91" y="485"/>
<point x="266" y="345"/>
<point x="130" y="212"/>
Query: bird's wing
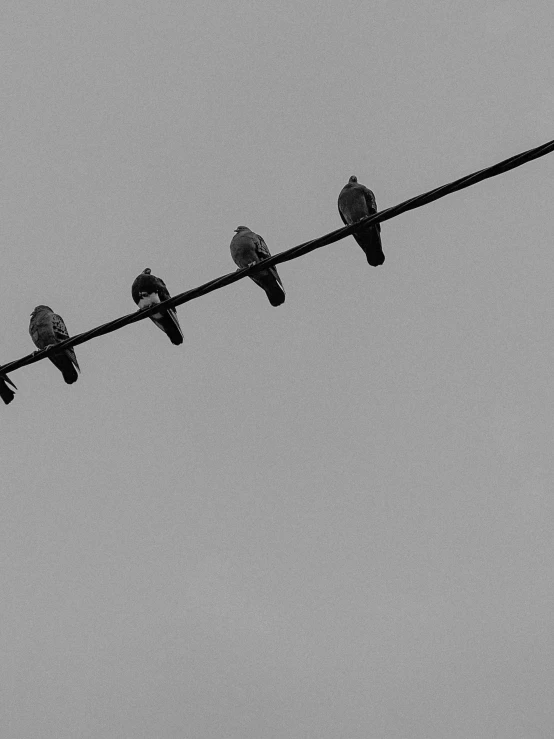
<point x="371" y="204"/>
<point x="343" y="219"/>
<point x="370" y="200"/>
<point x="135" y="289"/>
<point x="260" y="247"/>
<point x="343" y="203"/>
<point x="33" y="330"/>
<point x="58" y="327"/>
<point x="262" y="252"/>
<point x="162" y="290"/>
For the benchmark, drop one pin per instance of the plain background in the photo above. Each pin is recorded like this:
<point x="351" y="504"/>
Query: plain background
<point x="328" y="519"/>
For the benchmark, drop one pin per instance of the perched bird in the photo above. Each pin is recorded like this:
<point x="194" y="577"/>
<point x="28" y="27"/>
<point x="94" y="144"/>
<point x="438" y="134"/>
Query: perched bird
<point x="46" y="329"/>
<point x="6" y="393"/>
<point x="148" y="290"/>
<point x="357" y="202"/>
<point x="247" y="248"/>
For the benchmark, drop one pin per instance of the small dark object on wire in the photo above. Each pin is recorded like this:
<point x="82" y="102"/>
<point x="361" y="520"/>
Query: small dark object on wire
<point x="355" y="203"/>
<point x="48" y="329"/>
<point x="248" y="248"/>
<point x="150" y="290"/>
<point x="6" y="392"/>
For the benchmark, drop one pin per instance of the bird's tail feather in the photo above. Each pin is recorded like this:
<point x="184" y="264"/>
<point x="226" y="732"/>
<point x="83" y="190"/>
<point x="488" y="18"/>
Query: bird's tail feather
<point x="269" y="281"/>
<point x="370" y="241"/>
<point x="275" y="294"/>
<point x="169" y="323"/>
<point x="68" y="366"/>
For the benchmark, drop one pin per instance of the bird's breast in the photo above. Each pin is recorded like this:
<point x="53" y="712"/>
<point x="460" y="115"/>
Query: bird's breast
<point x="243" y="253"/>
<point x="148" y="299"/>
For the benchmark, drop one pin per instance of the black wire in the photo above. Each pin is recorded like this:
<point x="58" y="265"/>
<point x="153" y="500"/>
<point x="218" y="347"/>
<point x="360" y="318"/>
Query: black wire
<point x="287" y="256"/>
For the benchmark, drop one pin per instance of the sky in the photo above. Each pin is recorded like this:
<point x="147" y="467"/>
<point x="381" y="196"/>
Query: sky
<point x="328" y="519"/>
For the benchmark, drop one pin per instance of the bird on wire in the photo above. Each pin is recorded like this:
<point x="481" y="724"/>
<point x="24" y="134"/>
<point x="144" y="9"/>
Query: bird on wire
<point x="46" y="329"/>
<point x="248" y="248"/>
<point x="6" y="392"/>
<point x="356" y="202"/>
<point x="148" y="290"/>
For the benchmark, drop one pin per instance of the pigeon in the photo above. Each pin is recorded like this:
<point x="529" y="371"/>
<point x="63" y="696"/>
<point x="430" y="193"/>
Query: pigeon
<point x="357" y="202"/>
<point x="248" y="248"/>
<point x="46" y="329"/>
<point x="148" y="290"/>
<point x="6" y="392"/>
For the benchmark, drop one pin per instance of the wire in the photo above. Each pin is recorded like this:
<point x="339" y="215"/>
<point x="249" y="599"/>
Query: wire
<point x="286" y="256"/>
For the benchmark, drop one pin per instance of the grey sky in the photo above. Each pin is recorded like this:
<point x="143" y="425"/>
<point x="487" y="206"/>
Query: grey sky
<point x="328" y="519"/>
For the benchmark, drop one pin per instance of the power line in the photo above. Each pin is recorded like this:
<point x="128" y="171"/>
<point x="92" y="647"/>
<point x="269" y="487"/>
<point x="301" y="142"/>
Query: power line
<point x="288" y="255"/>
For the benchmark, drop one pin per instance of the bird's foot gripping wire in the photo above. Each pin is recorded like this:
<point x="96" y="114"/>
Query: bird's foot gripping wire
<point x="48" y="346"/>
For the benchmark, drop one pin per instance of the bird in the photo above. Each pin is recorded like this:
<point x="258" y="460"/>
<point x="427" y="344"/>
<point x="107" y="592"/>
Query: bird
<point x="148" y="290"/>
<point x="248" y="248"/>
<point x="46" y="329"/>
<point x="356" y="202"/>
<point x="6" y="392"/>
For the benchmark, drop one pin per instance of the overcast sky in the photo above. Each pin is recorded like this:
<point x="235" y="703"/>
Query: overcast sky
<point x="328" y="519"/>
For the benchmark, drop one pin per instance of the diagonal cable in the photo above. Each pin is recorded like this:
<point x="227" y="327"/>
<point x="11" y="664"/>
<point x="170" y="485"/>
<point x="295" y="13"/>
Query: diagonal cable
<point x="288" y="255"/>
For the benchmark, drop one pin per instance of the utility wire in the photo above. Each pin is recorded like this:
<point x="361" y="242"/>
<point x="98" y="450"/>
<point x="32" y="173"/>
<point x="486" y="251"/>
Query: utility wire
<point x="286" y="256"/>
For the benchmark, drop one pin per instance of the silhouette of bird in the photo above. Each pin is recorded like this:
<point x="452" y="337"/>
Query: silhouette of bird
<point x="6" y="392"/>
<point x="46" y="329"/>
<point x="148" y="290"/>
<point x="248" y="248"/>
<point x="356" y="202"/>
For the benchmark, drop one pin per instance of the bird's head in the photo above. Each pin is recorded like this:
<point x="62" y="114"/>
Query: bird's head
<point x="40" y="309"/>
<point x="353" y="179"/>
<point x="241" y="228"/>
<point x="147" y="271"/>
